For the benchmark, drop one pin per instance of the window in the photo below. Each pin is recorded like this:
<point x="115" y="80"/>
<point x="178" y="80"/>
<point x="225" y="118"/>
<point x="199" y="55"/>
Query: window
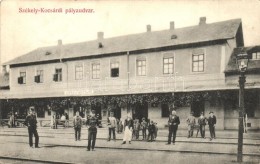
<point x="39" y="76"/>
<point x="198" y="63"/>
<point x="168" y="65"/>
<point x="58" y="74"/>
<point x="165" y="110"/>
<point x="22" y="78"/>
<point x="141" y="67"/>
<point x="78" y="72"/>
<point x="95" y="71"/>
<point x="115" y="69"/>
<point x="256" y="56"/>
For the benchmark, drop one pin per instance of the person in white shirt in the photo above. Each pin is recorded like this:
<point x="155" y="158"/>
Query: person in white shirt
<point x="63" y="120"/>
<point x="111" y="126"/>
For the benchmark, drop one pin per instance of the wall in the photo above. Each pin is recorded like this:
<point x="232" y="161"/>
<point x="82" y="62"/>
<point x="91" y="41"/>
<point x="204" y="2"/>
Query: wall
<point x="183" y="61"/>
<point x="231" y="115"/>
<point x="154" y="81"/>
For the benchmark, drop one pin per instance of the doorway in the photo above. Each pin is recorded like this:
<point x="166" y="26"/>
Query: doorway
<point x="140" y="111"/>
<point x="197" y="107"/>
<point x="117" y="112"/>
<point x="97" y="109"/>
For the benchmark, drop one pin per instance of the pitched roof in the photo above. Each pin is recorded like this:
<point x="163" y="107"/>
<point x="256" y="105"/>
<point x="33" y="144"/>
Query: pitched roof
<point x="253" y="65"/>
<point x="147" y="40"/>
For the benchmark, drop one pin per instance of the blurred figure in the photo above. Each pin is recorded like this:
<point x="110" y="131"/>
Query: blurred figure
<point x="31" y="123"/>
<point x="57" y="119"/>
<point x="63" y="119"/>
<point x="54" y="121"/>
<point x="67" y="120"/>
<point x="77" y="123"/>
<point x="120" y="125"/>
<point x="202" y="122"/>
<point x="136" y="129"/>
<point x="191" y="122"/>
<point x="143" y="128"/>
<point x="11" y="120"/>
<point x="151" y="130"/>
<point x="15" y="119"/>
<point x="111" y="126"/>
<point x="156" y="130"/>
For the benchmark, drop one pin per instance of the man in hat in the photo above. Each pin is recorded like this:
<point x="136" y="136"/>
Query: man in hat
<point x="202" y="122"/>
<point x="92" y="122"/>
<point x="31" y="123"/>
<point x="191" y="122"/>
<point x="173" y="123"/>
<point x="128" y="127"/>
<point x="212" y="120"/>
<point x="111" y="126"/>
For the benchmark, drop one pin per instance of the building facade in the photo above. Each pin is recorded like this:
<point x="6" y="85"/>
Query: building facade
<point x="147" y="75"/>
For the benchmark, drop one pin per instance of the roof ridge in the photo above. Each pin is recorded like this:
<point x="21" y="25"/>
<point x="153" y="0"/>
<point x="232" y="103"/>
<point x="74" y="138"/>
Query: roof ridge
<point x="130" y="42"/>
<point x="133" y="34"/>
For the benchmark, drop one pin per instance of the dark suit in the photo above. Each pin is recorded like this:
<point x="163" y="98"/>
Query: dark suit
<point x="92" y="132"/>
<point x="202" y="123"/>
<point x="173" y="122"/>
<point x="31" y="123"/>
<point x="151" y="131"/>
<point x="212" y="121"/>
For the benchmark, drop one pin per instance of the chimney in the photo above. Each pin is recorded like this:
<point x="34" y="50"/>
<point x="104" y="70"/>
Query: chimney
<point x="148" y="28"/>
<point x="59" y="42"/>
<point x="172" y="25"/>
<point x="100" y="35"/>
<point x="202" y="20"/>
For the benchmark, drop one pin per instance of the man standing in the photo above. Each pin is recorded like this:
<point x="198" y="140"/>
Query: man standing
<point x="67" y="120"/>
<point x="77" y="122"/>
<point x="31" y="123"/>
<point x="128" y="127"/>
<point x="202" y="123"/>
<point x="173" y="123"/>
<point x="144" y="127"/>
<point x="151" y="130"/>
<point x="212" y="120"/>
<point x="92" y="122"/>
<point x="136" y="129"/>
<point x="111" y="126"/>
<point x="191" y="122"/>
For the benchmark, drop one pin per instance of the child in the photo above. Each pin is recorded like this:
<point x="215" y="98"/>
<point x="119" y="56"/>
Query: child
<point x="120" y="126"/>
<point x="151" y="130"/>
<point x="156" y="130"/>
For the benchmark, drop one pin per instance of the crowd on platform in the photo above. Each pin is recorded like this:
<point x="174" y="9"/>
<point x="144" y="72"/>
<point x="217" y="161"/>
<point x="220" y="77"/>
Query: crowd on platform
<point x="129" y="127"/>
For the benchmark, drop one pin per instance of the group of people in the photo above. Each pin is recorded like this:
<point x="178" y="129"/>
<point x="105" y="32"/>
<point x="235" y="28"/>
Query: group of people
<point x="202" y="122"/>
<point x="92" y="123"/>
<point x="131" y="128"/>
<point x="12" y="123"/>
<point x="174" y="121"/>
<point x="57" y="119"/>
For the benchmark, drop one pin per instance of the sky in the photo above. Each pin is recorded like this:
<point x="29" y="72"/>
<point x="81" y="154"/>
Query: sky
<point x="23" y="32"/>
